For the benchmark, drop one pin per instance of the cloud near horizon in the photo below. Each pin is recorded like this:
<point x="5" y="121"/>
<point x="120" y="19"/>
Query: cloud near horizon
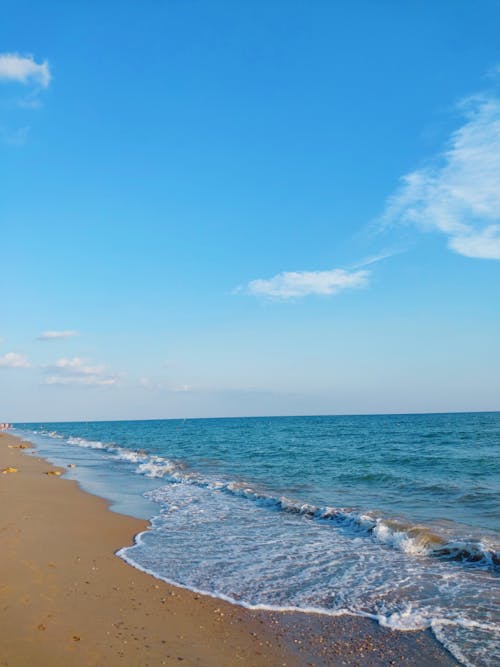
<point x="79" y="372"/>
<point x="56" y="335"/>
<point x="14" y="360"/>
<point x="295" y="284"/>
<point x="154" y="385"/>
<point x="459" y="193"/>
<point x="24" y="69"/>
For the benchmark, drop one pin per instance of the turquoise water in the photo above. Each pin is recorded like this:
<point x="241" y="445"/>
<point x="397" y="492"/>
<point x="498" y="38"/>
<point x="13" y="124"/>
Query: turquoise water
<point x="395" y="517"/>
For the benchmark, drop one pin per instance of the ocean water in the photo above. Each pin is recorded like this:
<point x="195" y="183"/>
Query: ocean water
<point x="394" y="517"/>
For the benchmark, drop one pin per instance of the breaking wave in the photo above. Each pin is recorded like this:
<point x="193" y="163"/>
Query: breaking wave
<point x="413" y="539"/>
<point x="266" y="549"/>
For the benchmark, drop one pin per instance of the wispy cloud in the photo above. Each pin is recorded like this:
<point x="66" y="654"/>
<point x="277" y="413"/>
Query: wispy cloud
<point x="458" y="194"/>
<point x="78" y="371"/>
<point x="34" y="78"/>
<point x="77" y="366"/>
<point x="15" y="137"/>
<point x="374" y="259"/>
<point x="14" y="360"/>
<point x="83" y="381"/>
<point x="56" y="335"/>
<point x="24" y="69"/>
<point x="295" y="284"/>
<point x="154" y="385"/>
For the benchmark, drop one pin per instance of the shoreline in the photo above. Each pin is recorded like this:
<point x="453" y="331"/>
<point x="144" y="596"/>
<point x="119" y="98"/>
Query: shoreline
<point x="66" y="598"/>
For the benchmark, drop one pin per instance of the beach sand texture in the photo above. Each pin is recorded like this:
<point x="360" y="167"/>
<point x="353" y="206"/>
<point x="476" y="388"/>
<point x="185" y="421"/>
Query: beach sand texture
<point x="67" y="600"/>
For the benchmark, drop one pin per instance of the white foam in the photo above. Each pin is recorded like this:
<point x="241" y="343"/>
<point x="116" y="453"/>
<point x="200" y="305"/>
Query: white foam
<point x="90" y="444"/>
<point x="408" y="619"/>
<point x="410" y="539"/>
<point x="130" y="456"/>
<point x="156" y="466"/>
<point x="399" y="539"/>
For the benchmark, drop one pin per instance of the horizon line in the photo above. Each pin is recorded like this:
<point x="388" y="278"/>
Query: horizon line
<point x="298" y="416"/>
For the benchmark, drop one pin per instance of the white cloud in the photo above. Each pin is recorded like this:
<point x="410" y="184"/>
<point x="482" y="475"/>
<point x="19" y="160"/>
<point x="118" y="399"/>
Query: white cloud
<point x="86" y="381"/>
<point x="77" y="371"/>
<point x="14" y="360"/>
<point x="77" y="366"/>
<point x="291" y="284"/>
<point x="24" y="69"/>
<point x="56" y="335"/>
<point x="484" y="244"/>
<point x="459" y="193"/>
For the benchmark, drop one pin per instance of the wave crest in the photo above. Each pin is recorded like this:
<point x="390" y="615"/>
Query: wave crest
<point x="413" y="539"/>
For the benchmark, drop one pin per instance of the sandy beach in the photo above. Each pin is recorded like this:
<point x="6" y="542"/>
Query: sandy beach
<point x="66" y="599"/>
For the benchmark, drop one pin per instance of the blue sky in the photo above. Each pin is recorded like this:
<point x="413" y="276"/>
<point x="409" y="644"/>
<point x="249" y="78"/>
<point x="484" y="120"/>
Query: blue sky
<point x="218" y="208"/>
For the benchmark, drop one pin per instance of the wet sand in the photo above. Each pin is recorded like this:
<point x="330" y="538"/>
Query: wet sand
<point x="67" y="601"/>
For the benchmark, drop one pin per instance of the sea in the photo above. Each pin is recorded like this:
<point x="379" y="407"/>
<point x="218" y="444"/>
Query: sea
<point x="391" y="517"/>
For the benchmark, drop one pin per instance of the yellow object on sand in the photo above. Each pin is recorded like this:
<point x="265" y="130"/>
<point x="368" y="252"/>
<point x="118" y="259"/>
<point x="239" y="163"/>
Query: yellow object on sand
<point x="9" y="469"/>
<point x="53" y="472"/>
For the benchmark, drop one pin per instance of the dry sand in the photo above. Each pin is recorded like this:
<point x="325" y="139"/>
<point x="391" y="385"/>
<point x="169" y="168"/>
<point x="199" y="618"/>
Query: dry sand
<point x="67" y="601"/>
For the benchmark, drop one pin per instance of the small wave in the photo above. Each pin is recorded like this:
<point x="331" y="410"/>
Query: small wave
<point x="409" y="538"/>
<point x="470" y="552"/>
<point x="156" y="466"/>
<point x="128" y="455"/>
<point x="420" y="540"/>
<point x="82" y="442"/>
<point x="149" y="465"/>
